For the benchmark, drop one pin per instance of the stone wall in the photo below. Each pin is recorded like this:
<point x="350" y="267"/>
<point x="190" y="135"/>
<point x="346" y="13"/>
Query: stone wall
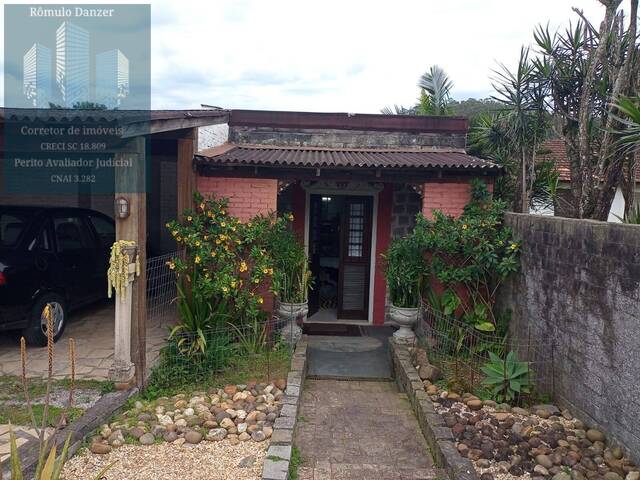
<point x="579" y="291"/>
<point x="407" y="203"/>
<point x="317" y="137"/>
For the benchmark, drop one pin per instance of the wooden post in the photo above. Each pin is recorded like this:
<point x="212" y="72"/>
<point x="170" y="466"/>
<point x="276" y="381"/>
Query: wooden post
<point x="131" y="184"/>
<point x="186" y="177"/>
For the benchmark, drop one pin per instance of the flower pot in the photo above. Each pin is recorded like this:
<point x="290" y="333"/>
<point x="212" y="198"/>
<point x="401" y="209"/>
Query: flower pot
<point x="289" y="313"/>
<point x="406" y="319"/>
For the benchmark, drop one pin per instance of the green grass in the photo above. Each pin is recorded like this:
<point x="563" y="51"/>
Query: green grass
<point x="261" y="367"/>
<point x="19" y="415"/>
<point x="296" y="461"/>
<point x="11" y="387"/>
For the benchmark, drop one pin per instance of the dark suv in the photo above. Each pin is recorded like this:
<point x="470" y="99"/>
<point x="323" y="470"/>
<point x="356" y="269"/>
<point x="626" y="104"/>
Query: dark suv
<point x="50" y="255"/>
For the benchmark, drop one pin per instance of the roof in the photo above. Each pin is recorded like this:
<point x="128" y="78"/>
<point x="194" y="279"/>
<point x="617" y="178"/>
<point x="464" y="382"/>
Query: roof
<point x="349" y="121"/>
<point x="353" y="158"/>
<point x="136" y="122"/>
<point x="555" y="151"/>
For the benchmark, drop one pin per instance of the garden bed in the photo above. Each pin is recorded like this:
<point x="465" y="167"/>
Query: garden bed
<point x="502" y="441"/>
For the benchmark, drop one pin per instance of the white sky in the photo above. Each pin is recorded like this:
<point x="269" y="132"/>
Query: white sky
<point x="349" y="55"/>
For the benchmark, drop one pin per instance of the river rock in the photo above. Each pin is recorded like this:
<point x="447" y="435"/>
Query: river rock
<point x="595" y="435"/>
<point x="100" y="448"/>
<point x="216" y="434"/>
<point x="193" y="437"/>
<point x="258" y="436"/>
<point x="147" y="439"/>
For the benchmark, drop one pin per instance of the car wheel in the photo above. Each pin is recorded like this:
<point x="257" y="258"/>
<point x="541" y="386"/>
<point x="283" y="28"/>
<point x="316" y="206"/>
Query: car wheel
<point x="36" y="332"/>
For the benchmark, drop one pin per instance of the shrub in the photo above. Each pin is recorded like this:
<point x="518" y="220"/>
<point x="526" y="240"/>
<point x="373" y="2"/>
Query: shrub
<point x="404" y="270"/>
<point x="292" y="277"/>
<point x="474" y="252"/>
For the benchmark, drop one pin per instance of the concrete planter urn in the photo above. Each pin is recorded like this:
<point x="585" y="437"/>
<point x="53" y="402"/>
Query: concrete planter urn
<point x="405" y="318"/>
<point x="288" y="313"/>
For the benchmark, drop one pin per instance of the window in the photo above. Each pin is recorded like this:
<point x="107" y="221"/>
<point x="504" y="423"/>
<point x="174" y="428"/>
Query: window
<point x="11" y="228"/>
<point x="355" y="240"/>
<point x="41" y="241"/>
<point x="71" y="234"/>
<point x="105" y="229"/>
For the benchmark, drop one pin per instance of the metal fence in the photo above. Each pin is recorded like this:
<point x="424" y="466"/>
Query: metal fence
<point x="460" y="350"/>
<point x="161" y="286"/>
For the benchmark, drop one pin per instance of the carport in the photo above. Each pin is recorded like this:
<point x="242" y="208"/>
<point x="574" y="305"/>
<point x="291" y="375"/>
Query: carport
<point x="160" y="145"/>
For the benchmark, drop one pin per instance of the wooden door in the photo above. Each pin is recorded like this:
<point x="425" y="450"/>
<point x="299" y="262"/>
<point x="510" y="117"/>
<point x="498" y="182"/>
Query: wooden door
<point x="355" y="258"/>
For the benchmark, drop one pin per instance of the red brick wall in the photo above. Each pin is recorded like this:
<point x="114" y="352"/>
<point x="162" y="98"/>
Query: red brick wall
<point x="247" y="196"/>
<point x="448" y="197"/>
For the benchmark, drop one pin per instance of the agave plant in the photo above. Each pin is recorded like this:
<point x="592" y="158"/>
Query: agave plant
<point x="507" y="378"/>
<point x="50" y="464"/>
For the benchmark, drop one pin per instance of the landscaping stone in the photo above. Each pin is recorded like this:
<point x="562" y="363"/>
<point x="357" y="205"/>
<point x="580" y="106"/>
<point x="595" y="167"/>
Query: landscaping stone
<point x="100" y="448"/>
<point x="193" y="437"/>
<point x="147" y="439"/>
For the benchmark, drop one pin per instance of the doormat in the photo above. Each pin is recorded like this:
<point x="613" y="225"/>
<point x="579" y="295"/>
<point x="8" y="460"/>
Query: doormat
<point x="334" y="329"/>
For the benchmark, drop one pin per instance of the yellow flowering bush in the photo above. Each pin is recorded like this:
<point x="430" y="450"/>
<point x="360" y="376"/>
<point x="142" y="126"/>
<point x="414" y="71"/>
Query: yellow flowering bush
<point x="226" y="259"/>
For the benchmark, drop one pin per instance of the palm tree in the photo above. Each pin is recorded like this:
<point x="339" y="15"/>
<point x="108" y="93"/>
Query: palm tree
<point x="435" y="94"/>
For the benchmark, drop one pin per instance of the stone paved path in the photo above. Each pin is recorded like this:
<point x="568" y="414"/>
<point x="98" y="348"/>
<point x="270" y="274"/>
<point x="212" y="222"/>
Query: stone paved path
<point x="360" y="430"/>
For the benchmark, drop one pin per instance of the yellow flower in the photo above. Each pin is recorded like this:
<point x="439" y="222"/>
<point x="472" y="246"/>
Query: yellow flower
<point x="207" y="275"/>
<point x="249" y="224"/>
<point x="233" y="284"/>
<point x="222" y="224"/>
<point x="260" y="300"/>
<point x="514" y="246"/>
<point x="210" y="214"/>
<point x="171" y="265"/>
<point x="465" y="226"/>
<point x="243" y="266"/>
<point x="178" y="239"/>
<point x="202" y="206"/>
<point x="197" y="243"/>
<point x="271" y="271"/>
<point x="222" y="212"/>
<point x="256" y="280"/>
<point x="218" y="241"/>
<point x="213" y="253"/>
<point x="167" y="225"/>
<point x="238" y="242"/>
<point x="189" y="218"/>
<point x="233" y="229"/>
<point x="225" y="289"/>
<point x="290" y="217"/>
<point x="206" y="237"/>
<point x="174" y="233"/>
<point x="223" y="237"/>
<point x="265" y="270"/>
<point x="197" y="259"/>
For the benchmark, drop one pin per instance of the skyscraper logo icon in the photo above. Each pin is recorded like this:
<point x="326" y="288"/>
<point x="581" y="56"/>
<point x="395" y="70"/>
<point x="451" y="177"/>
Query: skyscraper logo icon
<point x="73" y="79"/>
<point x="37" y="83"/>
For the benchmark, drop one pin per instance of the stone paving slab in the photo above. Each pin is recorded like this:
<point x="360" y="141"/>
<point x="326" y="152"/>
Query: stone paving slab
<point x="93" y="331"/>
<point x="359" y="430"/>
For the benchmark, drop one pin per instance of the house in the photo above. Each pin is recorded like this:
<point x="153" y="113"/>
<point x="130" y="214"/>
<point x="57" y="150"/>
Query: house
<point x="555" y="151"/>
<point x="352" y="182"/>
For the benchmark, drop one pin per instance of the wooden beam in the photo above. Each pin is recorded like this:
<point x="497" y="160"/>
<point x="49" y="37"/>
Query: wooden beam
<point x="151" y="127"/>
<point x="131" y="184"/>
<point x="186" y="175"/>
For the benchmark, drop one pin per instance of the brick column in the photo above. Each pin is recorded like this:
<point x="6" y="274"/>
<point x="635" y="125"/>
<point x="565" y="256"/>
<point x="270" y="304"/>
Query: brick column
<point x="450" y="197"/>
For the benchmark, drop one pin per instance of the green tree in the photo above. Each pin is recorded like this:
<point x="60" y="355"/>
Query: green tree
<point x="435" y="92"/>
<point x="585" y="69"/>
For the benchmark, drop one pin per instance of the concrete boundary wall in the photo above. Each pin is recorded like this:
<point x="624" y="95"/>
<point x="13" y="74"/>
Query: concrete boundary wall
<point x="579" y="291"/>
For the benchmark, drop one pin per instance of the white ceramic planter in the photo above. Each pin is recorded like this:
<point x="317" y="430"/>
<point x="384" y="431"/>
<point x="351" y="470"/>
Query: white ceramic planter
<point x="289" y="313"/>
<point x="406" y="319"/>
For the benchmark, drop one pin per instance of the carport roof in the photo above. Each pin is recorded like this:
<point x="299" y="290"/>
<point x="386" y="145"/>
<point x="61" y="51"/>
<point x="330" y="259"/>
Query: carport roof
<point x="350" y="158"/>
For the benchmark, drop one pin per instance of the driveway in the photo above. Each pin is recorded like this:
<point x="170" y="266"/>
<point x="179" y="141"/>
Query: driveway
<point x="93" y="331"/>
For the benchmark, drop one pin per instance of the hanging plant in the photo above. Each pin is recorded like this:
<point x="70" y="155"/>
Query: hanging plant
<point x="118" y="273"/>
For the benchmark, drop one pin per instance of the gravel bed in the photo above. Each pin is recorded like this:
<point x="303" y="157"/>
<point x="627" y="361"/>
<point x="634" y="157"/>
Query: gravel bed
<point x="167" y="461"/>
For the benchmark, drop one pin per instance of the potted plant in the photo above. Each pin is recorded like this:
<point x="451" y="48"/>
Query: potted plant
<point x="291" y="280"/>
<point x="404" y="272"/>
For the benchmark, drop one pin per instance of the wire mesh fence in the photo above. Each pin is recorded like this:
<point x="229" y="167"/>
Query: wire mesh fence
<point x="228" y="352"/>
<point x="460" y="351"/>
<point x="161" y="286"/>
